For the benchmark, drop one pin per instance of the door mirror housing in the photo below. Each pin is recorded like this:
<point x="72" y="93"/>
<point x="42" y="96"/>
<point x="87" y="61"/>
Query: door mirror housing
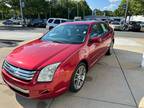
<point x="95" y="40"/>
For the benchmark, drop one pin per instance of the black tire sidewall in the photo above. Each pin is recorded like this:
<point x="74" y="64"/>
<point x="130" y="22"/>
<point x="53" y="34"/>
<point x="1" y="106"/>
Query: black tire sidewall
<point x="109" y="52"/>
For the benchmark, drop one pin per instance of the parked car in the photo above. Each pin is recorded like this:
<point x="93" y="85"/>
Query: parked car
<point x="16" y="21"/>
<point x="142" y="25"/>
<point x="117" y="25"/>
<point x="134" y="26"/>
<point x="37" y="23"/>
<point x="53" y="22"/>
<point x="8" y="22"/>
<point x="77" y="18"/>
<point x="58" y="61"/>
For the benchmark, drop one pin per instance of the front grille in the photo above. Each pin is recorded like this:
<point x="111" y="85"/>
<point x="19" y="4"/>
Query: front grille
<point x="17" y="72"/>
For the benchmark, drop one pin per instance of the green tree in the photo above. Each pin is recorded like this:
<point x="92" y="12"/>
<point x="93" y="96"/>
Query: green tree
<point x="108" y="13"/>
<point x="135" y="7"/>
<point x="41" y="8"/>
<point x="99" y="12"/>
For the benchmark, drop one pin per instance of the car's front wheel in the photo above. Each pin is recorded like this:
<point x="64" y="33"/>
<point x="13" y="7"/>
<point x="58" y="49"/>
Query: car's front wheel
<point x="109" y="52"/>
<point x="78" y="78"/>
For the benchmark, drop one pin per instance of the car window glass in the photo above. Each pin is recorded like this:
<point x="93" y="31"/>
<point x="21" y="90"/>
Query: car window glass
<point x="57" y="22"/>
<point x="40" y="21"/>
<point x="63" y="21"/>
<point x="50" y="20"/>
<point x="107" y="26"/>
<point x="104" y="28"/>
<point x="69" y="33"/>
<point x="96" y="31"/>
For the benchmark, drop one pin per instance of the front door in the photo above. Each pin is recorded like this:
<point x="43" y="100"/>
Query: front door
<point x="95" y="48"/>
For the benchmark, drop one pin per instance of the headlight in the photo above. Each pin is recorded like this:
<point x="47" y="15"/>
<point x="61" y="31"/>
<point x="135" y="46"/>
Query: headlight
<point x="47" y="73"/>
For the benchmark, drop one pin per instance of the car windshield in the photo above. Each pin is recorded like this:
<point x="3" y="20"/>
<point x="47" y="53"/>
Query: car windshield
<point x="68" y="33"/>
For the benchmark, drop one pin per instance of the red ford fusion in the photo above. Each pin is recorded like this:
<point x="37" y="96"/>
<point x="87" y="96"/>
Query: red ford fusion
<point x="58" y="61"/>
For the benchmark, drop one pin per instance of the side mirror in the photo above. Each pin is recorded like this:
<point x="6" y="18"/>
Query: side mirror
<point x="95" y="40"/>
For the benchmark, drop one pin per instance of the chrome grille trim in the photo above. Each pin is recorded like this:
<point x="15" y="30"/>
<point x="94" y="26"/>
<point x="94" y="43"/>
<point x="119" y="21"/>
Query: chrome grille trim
<point x="17" y="72"/>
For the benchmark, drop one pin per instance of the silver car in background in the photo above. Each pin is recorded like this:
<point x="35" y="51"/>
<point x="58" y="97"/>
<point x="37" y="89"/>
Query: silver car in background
<point x="117" y="25"/>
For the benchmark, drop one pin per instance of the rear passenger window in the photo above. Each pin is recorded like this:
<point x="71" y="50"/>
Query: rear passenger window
<point x="57" y="22"/>
<point x="50" y="20"/>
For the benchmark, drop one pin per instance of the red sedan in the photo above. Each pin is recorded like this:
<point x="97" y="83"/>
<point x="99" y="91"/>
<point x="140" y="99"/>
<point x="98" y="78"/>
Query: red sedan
<point x="58" y="61"/>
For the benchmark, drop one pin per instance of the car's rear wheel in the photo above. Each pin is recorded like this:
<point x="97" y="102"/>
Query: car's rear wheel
<point x="109" y="52"/>
<point x="78" y="78"/>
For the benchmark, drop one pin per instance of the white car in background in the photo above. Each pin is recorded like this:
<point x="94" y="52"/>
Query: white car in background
<point x="117" y="25"/>
<point x="53" y="22"/>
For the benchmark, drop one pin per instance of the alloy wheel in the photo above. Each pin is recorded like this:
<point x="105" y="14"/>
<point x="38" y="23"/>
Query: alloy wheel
<point x="79" y="77"/>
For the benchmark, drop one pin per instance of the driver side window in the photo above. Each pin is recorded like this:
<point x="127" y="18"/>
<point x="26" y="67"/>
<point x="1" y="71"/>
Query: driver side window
<point x="97" y="31"/>
<point x="94" y="31"/>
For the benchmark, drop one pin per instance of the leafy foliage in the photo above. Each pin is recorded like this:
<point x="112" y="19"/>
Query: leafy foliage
<point x="41" y="8"/>
<point x="135" y="7"/>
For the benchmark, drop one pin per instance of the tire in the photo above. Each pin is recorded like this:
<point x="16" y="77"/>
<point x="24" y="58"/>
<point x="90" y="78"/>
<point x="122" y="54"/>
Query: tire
<point x="75" y="84"/>
<point x="109" y="52"/>
<point x="138" y="30"/>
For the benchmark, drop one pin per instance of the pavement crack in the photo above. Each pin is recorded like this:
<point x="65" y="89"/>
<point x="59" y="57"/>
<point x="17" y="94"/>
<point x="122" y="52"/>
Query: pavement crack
<point x="122" y="70"/>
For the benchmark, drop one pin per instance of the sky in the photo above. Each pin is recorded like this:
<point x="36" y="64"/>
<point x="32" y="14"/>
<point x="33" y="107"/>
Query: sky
<point x="104" y="4"/>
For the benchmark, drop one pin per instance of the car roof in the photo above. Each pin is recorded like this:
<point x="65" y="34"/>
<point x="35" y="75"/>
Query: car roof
<point x="83" y="22"/>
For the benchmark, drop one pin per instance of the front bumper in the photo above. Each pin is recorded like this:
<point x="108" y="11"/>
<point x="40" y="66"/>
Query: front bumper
<point x="17" y="88"/>
<point x="33" y="89"/>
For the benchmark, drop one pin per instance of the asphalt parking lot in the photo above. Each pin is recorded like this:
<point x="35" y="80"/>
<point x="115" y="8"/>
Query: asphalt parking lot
<point x="116" y="81"/>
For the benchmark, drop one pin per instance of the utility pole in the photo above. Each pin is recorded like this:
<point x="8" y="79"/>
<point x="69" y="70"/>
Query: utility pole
<point x="50" y="7"/>
<point x="126" y="10"/>
<point x="83" y="13"/>
<point x="68" y="13"/>
<point x="77" y="9"/>
<point x="92" y="12"/>
<point x="21" y="10"/>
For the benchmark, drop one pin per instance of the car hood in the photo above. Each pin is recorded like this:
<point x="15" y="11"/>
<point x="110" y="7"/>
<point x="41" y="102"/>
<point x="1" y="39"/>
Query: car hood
<point x="31" y="55"/>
